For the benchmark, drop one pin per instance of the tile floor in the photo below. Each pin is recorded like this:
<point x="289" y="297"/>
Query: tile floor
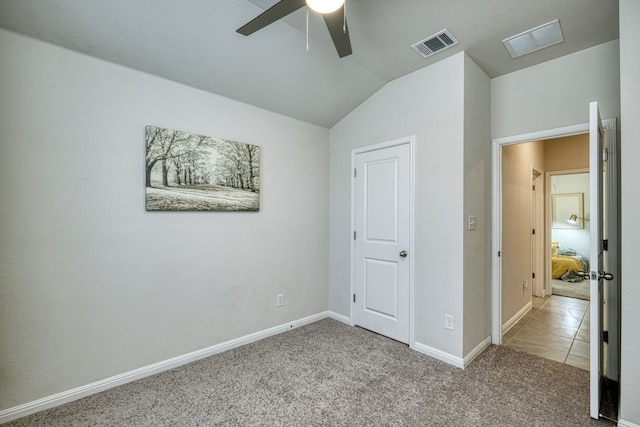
<point x="556" y="328"/>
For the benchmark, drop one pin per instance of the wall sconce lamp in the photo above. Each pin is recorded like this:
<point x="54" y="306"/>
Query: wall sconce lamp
<point x="573" y="219"/>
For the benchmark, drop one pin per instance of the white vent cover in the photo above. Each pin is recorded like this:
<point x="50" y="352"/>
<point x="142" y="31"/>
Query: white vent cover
<point x="534" y="39"/>
<point x="438" y="42"/>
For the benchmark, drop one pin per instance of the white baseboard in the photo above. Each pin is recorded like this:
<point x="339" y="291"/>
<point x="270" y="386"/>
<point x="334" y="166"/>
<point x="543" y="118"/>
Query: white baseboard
<point x="340" y="318"/>
<point x="57" y="399"/>
<point x="440" y="355"/>
<point x="456" y="361"/>
<point x="519" y="315"/>
<point x="430" y="351"/>
<point x="477" y="351"/>
<point x="623" y="423"/>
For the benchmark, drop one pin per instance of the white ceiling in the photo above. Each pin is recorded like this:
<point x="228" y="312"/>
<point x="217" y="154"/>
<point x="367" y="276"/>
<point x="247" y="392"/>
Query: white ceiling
<point x="194" y="42"/>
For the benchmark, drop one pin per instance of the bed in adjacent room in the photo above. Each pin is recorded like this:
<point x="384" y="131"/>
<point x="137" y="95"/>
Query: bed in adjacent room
<point x="565" y="265"/>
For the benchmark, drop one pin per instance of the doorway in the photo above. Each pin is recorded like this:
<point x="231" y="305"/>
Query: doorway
<point x="534" y="320"/>
<point x="611" y="291"/>
<point x="382" y="245"/>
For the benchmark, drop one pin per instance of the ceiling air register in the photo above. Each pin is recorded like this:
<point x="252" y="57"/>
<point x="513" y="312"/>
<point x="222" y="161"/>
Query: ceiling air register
<point x="436" y="43"/>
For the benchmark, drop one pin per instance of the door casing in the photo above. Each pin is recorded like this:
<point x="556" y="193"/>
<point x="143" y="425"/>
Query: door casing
<point x="406" y="140"/>
<point x="496" y="240"/>
<point x="538" y="237"/>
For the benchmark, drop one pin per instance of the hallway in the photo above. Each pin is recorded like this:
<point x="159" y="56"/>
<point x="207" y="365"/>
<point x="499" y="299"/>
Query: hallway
<point x="556" y="328"/>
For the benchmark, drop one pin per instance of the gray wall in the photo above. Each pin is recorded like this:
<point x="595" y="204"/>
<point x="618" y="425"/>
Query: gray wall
<point x="630" y="150"/>
<point x="477" y="202"/>
<point x="91" y="285"/>
<point x="557" y="93"/>
<point x="436" y="114"/>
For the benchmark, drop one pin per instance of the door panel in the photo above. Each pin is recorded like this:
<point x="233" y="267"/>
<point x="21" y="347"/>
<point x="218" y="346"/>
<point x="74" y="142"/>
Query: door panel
<point x="381" y="211"/>
<point x="381" y="288"/>
<point x="382" y="225"/>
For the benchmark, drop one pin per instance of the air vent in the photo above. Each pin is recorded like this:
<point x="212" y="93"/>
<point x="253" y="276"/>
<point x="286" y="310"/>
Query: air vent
<point x="534" y="39"/>
<point x="436" y="43"/>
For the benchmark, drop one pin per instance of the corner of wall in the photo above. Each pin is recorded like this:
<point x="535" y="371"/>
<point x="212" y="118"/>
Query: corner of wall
<point x="477" y="206"/>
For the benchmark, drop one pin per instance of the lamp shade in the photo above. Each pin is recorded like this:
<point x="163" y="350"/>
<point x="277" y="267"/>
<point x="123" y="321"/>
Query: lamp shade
<point x="325" y="6"/>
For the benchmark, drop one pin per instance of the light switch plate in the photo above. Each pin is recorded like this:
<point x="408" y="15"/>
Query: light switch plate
<point x="471" y="223"/>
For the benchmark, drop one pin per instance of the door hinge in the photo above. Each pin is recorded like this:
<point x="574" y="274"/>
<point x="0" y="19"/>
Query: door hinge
<point x="533" y="187"/>
<point x="354" y="235"/>
<point x="354" y="297"/>
<point x="355" y="172"/>
<point x="533" y="275"/>
<point x="605" y="336"/>
<point x="605" y="154"/>
<point x="605" y="245"/>
<point x="533" y="231"/>
<point x="499" y="253"/>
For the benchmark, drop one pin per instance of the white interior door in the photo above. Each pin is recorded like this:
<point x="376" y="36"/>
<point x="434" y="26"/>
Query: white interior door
<point x="598" y="273"/>
<point x="382" y="221"/>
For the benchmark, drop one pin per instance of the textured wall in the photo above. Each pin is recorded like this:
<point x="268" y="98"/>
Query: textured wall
<point x="630" y="150"/>
<point x="477" y="202"/>
<point x="434" y="113"/>
<point x="91" y="285"/>
<point x="557" y="93"/>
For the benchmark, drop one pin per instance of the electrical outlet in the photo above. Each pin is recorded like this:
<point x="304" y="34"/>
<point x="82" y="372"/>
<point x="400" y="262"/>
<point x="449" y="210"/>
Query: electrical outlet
<point x="449" y="321"/>
<point x="280" y="300"/>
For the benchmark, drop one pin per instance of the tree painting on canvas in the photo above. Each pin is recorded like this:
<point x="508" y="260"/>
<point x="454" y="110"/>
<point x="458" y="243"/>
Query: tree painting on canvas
<point x="188" y="172"/>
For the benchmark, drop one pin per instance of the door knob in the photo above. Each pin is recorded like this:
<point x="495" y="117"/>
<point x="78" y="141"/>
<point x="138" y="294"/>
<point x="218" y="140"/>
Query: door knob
<point x="403" y="254"/>
<point x="604" y="275"/>
<point x="596" y="275"/>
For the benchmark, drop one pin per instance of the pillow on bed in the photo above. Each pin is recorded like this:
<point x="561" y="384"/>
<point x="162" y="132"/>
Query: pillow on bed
<point x="566" y="251"/>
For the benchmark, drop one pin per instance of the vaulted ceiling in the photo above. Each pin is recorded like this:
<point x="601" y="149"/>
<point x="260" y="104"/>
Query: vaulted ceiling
<point x="195" y="42"/>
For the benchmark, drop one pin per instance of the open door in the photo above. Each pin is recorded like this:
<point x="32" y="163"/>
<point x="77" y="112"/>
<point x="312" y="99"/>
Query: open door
<point x="597" y="159"/>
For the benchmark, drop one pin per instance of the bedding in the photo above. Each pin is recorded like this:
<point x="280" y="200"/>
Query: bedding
<point x="565" y="264"/>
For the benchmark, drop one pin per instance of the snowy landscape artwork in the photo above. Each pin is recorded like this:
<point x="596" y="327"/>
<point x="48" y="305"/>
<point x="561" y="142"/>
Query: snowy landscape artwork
<point x="188" y="172"/>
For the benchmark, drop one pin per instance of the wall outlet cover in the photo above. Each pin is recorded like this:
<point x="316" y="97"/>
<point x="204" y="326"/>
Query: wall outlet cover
<point x="449" y="322"/>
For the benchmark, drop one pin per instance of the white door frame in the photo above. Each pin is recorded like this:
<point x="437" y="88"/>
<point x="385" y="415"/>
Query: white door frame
<point x="496" y="239"/>
<point x="538" y="223"/>
<point x="411" y="140"/>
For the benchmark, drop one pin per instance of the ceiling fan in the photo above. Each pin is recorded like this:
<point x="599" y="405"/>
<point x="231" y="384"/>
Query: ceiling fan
<point x="332" y="12"/>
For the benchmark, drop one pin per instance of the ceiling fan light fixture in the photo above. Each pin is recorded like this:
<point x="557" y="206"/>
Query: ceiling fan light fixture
<point x="325" y="6"/>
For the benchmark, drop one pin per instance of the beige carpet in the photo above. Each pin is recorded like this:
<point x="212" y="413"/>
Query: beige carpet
<point x="331" y="374"/>
<point x="570" y="289"/>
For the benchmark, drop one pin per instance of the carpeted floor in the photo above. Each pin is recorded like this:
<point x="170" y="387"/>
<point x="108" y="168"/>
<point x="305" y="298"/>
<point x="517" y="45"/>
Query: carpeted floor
<point x="571" y="289"/>
<point x="331" y="374"/>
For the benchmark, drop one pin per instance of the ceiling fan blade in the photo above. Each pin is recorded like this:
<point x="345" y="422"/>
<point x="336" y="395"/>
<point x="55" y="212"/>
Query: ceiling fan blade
<point x="335" y="22"/>
<point x="271" y="15"/>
